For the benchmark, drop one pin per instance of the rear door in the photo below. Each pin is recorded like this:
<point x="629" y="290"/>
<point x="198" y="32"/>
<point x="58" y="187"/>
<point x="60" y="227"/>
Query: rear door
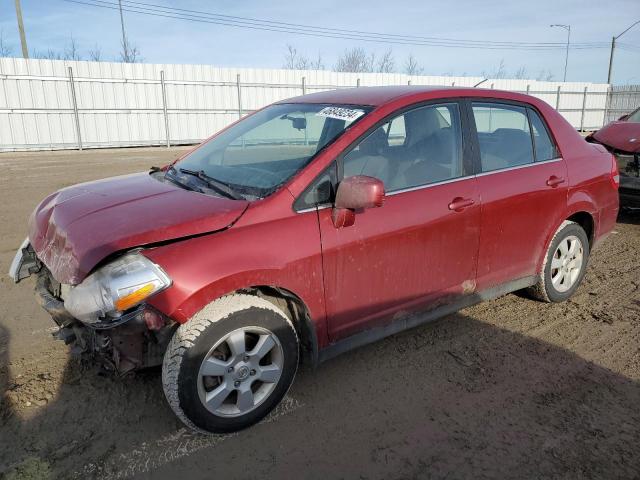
<point x="420" y="247"/>
<point x="523" y="185"/>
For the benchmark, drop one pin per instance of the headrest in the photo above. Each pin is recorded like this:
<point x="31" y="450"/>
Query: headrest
<point x="375" y="143"/>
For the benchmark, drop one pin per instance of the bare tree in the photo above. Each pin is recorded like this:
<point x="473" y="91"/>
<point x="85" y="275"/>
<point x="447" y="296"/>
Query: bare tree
<point x="95" y="54"/>
<point x="48" y="54"/>
<point x="545" y="76"/>
<point x="355" y="60"/>
<point x="293" y="60"/>
<point x="499" y="72"/>
<point x="71" y="52"/>
<point x="317" y="64"/>
<point x="386" y="63"/>
<point x="5" y="49"/>
<point x="412" y="67"/>
<point x="521" y="73"/>
<point x="130" y="52"/>
<point x="290" y="58"/>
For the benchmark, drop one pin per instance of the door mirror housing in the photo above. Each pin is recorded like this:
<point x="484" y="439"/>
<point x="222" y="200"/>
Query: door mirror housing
<point x="355" y="194"/>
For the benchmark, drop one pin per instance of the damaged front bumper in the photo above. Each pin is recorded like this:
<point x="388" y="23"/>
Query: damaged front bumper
<point x="136" y="339"/>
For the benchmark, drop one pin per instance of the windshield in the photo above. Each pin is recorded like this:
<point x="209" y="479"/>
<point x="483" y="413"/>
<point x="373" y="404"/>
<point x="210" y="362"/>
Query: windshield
<point x="634" y="117"/>
<point x="261" y="152"/>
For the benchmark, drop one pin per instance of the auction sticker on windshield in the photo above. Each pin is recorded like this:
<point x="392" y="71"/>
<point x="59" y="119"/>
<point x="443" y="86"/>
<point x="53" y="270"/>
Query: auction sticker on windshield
<point x="340" y="113"/>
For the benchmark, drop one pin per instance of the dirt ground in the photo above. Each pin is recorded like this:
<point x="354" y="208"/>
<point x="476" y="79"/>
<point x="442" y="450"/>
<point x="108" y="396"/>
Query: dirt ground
<point x="508" y="389"/>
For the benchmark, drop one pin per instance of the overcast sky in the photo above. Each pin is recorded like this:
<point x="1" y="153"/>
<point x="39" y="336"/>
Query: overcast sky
<point x="50" y="23"/>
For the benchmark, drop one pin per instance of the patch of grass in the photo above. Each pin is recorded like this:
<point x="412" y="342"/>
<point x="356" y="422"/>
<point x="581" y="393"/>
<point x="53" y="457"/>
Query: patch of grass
<point x="32" y="468"/>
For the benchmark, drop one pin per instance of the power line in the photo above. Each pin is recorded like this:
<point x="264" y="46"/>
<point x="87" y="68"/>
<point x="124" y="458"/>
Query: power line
<point x="253" y="21"/>
<point x="282" y="27"/>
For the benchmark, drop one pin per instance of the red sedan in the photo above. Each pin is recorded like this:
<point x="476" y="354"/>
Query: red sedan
<point x="313" y="226"/>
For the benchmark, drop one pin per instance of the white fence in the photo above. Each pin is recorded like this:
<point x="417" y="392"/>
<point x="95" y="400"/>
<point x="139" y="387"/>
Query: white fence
<point x="55" y="104"/>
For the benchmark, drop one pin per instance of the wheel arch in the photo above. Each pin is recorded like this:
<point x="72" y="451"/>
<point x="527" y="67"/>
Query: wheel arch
<point x="582" y="213"/>
<point x="308" y="328"/>
<point x="297" y="311"/>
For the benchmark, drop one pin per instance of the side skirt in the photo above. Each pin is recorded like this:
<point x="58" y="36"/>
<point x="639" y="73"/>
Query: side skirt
<point x="411" y="321"/>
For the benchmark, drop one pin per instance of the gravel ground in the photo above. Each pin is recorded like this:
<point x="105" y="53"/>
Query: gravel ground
<point x="510" y="388"/>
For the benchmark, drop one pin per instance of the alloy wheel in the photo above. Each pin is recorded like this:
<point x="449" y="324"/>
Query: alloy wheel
<point x="567" y="263"/>
<point x="240" y="371"/>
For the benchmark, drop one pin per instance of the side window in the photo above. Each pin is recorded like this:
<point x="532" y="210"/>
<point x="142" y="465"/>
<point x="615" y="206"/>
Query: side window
<point x="320" y="192"/>
<point x="418" y="147"/>
<point x="504" y="135"/>
<point x="545" y="148"/>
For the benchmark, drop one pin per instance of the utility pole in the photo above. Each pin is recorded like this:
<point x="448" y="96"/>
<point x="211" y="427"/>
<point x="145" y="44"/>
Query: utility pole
<point x="613" y="47"/>
<point x="566" y="57"/>
<point x="125" y="46"/>
<point x="23" y="38"/>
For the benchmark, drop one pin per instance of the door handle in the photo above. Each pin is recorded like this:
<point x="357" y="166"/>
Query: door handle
<point x="458" y="204"/>
<point x="554" y="181"/>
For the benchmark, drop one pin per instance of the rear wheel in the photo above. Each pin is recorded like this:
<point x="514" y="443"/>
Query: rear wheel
<point x="231" y="364"/>
<point x="564" y="265"/>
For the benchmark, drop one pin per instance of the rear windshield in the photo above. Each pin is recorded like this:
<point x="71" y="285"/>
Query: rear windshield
<point x="261" y="152"/>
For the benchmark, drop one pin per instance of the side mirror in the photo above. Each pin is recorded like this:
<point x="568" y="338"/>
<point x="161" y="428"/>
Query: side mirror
<point x="356" y="194"/>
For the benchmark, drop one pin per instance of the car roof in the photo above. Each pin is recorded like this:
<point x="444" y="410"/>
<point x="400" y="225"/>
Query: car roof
<point x="376" y="96"/>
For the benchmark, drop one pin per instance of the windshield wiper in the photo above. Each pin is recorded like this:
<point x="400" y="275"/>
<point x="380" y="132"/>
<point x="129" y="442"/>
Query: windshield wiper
<point x="213" y="183"/>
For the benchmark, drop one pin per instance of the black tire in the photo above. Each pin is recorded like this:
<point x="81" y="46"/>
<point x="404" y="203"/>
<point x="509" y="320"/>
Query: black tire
<point x="544" y="289"/>
<point x="192" y="343"/>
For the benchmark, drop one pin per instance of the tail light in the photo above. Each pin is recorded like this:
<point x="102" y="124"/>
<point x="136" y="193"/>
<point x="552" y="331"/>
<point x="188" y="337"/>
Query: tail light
<point x="615" y="174"/>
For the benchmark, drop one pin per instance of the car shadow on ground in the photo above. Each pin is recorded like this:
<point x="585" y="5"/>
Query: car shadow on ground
<point x="458" y="398"/>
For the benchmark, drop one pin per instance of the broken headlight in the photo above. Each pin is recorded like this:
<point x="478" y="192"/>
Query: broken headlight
<point x="114" y="288"/>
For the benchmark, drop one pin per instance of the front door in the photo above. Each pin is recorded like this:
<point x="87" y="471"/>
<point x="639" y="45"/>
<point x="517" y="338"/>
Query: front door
<point x="421" y="246"/>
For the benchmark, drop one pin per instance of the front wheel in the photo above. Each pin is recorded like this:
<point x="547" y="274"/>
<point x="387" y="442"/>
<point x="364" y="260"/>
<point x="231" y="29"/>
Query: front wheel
<point x="231" y="364"/>
<point x="564" y="265"/>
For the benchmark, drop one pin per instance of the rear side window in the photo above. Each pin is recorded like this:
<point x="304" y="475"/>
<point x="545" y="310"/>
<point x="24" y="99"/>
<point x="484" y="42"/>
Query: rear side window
<point x="545" y="148"/>
<point x="504" y="136"/>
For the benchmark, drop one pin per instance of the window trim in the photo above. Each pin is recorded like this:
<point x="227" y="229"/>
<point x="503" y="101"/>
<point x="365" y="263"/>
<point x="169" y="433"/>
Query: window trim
<point x="311" y="184"/>
<point x="546" y="127"/>
<point x="471" y="164"/>
<point x="471" y="125"/>
<point x="477" y="137"/>
<point x="467" y="165"/>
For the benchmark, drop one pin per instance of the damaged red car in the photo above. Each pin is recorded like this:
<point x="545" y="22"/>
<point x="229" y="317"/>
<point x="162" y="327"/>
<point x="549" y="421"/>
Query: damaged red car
<point x="313" y="226"/>
<point x="622" y="138"/>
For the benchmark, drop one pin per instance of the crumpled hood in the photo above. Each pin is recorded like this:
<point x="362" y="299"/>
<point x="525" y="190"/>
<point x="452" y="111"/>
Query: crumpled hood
<point x="623" y="136"/>
<point x="75" y="228"/>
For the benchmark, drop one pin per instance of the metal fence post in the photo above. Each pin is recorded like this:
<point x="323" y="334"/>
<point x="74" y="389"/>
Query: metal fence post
<point x="558" y="98"/>
<point x="164" y="107"/>
<point x="75" y="108"/>
<point x="358" y="83"/>
<point x="528" y="89"/>
<point x="239" y="96"/>
<point x="304" y="92"/>
<point x="408" y="82"/>
<point x="607" y="105"/>
<point x="584" y="104"/>
<point x="453" y="84"/>
<point x="492" y="85"/>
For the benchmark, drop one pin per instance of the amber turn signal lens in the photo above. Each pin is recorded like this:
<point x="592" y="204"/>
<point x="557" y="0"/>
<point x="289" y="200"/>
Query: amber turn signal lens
<point x="134" y="297"/>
